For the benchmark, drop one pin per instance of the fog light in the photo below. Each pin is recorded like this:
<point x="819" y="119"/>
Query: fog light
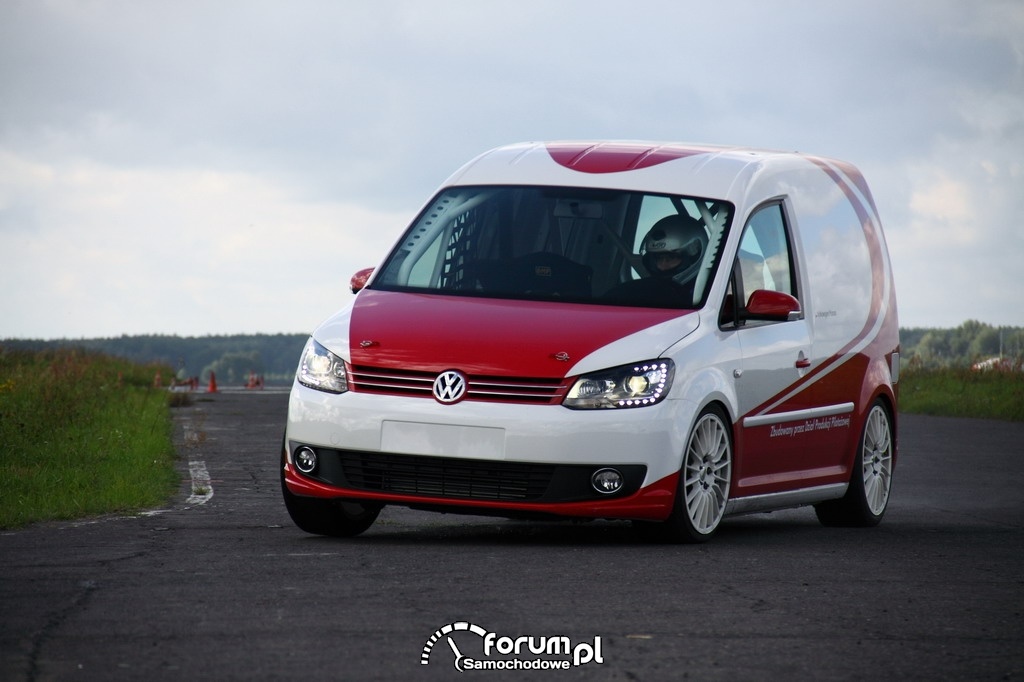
<point x="606" y="481"/>
<point x="305" y="460"/>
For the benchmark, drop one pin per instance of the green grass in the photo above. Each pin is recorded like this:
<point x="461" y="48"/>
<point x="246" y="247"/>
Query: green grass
<point x="81" y="434"/>
<point x="963" y="393"/>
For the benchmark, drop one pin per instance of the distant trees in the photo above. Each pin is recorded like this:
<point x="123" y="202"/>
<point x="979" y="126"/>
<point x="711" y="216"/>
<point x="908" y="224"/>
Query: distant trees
<point x="234" y="367"/>
<point x="231" y="357"/>
<point x="962" y="346"/>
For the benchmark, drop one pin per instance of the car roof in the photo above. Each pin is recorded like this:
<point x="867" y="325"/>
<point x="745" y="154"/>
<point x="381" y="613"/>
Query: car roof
<point x="712" y="171"/>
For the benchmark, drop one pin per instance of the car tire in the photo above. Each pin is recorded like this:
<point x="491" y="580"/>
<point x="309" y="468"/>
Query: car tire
<point x="867" y="494"/>
<point x="335" y="518"/>
<point x="704" y="483"/>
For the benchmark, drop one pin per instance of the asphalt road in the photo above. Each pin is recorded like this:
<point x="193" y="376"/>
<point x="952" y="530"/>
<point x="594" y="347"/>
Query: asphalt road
<point x="224" y="587"/>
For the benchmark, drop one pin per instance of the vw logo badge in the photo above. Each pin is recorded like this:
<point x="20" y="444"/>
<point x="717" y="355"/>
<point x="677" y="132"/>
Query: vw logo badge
<point x="450" y="387"/>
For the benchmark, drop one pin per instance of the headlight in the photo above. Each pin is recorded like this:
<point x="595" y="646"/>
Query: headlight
<point x="639" y="385"/>
<point x="321" y="369"/>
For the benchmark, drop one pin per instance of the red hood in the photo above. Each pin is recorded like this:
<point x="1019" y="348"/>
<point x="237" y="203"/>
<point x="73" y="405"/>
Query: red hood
<point x="432" y="333"/>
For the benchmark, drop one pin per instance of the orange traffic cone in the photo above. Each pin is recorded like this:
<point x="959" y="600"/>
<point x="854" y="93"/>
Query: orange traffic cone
<point x="212" y="388"/>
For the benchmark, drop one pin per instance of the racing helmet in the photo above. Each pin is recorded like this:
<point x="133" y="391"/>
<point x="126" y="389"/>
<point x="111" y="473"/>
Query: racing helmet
<point x="679" y="236"/>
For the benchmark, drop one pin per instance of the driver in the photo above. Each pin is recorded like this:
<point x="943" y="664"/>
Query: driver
<point x="674" y="248"/>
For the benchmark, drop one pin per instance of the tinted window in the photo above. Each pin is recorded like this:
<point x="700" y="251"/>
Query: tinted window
<point x="557" y="243"/>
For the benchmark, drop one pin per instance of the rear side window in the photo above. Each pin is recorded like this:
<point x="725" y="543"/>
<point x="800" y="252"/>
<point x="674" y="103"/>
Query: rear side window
<point x="561" y="243"/>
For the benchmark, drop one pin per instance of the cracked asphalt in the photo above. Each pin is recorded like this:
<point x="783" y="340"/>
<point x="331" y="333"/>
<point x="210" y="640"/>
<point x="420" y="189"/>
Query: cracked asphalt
<point x="220" y="585"/>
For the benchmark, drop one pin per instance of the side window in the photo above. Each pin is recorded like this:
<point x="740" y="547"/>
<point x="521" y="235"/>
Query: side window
<point x="764" y="260"/>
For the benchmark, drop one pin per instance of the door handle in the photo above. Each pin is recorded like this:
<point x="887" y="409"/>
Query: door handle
<point x="802" y="361"/>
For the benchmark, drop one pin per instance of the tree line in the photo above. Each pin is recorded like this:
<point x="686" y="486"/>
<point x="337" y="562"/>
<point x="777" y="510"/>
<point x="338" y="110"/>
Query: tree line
<point x="230" y="357"/>
<point x="275" y="356"/>
<point x="963" y="346"/>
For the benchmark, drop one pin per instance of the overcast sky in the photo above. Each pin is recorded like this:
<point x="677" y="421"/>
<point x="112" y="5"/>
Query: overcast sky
<point x="218" y="167"/>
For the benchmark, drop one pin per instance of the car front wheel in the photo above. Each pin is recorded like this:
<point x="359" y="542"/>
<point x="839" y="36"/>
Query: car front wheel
<point x="704" y="482"/>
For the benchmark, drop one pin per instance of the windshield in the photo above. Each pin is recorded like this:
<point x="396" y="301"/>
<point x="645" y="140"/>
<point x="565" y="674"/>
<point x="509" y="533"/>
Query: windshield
<point x="569" y="244"/>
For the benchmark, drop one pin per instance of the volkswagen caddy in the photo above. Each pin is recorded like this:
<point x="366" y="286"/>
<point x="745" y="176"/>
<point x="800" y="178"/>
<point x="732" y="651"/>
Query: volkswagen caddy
<point x="664" y="333"/>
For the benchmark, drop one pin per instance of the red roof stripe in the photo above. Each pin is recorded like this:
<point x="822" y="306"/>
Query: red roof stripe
<point x="616" y="157"/>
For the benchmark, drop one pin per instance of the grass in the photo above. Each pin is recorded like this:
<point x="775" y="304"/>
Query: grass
<point x="82" y="434"/>
<point x="963" y="393"/>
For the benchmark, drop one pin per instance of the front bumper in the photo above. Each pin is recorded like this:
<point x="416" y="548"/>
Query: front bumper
<point x="651" y="503"/>
<point x="485" y="457"/>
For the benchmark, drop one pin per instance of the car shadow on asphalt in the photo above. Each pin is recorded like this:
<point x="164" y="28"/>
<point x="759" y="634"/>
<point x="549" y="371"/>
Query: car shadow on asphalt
<point x="405" y="527"/>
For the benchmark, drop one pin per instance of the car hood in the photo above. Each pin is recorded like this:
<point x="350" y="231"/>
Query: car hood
<point x="430" y="332"/>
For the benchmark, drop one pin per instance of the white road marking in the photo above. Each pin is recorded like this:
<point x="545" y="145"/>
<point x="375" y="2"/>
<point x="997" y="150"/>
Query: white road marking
<point x="202" y="488"/>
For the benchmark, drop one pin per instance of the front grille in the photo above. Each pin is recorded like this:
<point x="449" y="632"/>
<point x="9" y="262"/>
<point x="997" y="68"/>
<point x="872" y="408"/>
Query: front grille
<point x="445" y="477"/>
<point x="365" y="379"/>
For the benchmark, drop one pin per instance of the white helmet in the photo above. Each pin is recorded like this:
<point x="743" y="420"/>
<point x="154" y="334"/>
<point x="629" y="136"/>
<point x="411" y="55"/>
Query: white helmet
<point x="675" y="235"/>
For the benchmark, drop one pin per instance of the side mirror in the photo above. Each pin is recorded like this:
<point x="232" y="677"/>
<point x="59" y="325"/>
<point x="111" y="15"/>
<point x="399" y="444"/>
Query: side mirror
<point x="359" y="280"/>
<point x="772" y="305"/>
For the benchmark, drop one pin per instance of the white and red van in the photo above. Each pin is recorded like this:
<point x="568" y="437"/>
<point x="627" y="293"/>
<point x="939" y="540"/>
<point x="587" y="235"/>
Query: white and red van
<point x="665" y="333"/>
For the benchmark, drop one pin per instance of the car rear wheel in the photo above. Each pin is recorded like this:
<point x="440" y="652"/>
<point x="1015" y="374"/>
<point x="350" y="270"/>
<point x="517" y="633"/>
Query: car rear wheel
<point x="867" y="495"/>
<point x="704" y="482"/>
<point x="336" y="518"/>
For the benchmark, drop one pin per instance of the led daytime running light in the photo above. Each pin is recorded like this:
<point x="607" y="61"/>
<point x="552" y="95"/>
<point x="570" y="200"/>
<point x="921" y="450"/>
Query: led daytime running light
<point x="638" y="385"/>
<point x="654" y="377"/>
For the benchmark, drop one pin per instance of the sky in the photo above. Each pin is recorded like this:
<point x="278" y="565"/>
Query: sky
<point x="223" y="167"/>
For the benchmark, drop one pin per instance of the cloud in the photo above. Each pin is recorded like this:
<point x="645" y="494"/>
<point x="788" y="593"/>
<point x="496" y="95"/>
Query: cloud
<point x="172" y="251"/>
<point x="220" y="133"/>
<point x="942" y="208"/>
<point x="958" y="250"/>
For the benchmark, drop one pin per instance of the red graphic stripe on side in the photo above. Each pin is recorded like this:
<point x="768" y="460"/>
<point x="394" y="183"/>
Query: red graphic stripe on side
<point x="879" y="275"/>
<point x="873" y="238"/>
